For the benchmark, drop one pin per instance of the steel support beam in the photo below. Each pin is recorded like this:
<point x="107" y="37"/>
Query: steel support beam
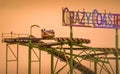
<point x="6" y="58"/>
<point x="71" y="46"/>
<point x="52" y="64"/>
<point x="29" y="57"/>
<point x="116" y="54"/>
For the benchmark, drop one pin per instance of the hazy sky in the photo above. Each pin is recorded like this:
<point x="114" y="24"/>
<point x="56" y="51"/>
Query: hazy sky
<point x="17" y="16"/>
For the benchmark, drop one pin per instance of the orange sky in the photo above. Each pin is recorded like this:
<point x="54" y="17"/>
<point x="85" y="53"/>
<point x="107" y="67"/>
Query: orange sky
<point x="18" y="16"/>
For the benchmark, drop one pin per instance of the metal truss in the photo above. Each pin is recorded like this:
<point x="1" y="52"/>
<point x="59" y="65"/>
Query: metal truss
<point x="100" y="58"/>
<point x="15" y="54"/>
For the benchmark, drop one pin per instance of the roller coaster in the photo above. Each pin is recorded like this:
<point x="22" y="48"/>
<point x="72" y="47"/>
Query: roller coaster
<point x="61" y="49"/>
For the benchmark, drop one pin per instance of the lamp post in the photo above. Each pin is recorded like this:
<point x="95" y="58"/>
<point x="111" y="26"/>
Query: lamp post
<point x="30" y="47"/>
<point x="31" y="28"/>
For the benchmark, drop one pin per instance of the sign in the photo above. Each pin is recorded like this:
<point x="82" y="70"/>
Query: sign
<point x="92" y="19"/>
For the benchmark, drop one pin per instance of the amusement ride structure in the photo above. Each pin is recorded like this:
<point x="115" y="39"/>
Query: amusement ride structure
<point x="100" y="56"/>
<point x="63" y="49"/>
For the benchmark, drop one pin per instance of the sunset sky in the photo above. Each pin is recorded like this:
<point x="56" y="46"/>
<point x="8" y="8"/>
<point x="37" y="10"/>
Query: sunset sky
<point x="18" y="15"/>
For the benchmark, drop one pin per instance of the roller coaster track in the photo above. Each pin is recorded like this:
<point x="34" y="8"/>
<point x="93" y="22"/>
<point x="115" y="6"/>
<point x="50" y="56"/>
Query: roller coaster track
<point x="64" y="56"/>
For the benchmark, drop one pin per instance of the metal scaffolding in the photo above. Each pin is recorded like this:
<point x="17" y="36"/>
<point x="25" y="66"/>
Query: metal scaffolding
<point x="99" y="57"/>
<point x="15" y="54"/>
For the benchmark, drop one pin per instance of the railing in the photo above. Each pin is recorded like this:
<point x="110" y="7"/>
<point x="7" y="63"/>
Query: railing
<point x="13" y="35"/>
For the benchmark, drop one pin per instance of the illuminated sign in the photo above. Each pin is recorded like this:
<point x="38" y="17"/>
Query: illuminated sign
<point x="90" y="19"/>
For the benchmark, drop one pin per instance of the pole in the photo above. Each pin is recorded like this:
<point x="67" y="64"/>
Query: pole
<point x="71" y="46"/>
<point x="39" y="61"/>
<point x="17" y="56"/>
<point x="6" y="58"/>
<point x="95" y="67"/>
<point x="29" y="50"/>
<point x="117" y="58"/>
<point x="29" y="57"/>
<point x="52" y="64"/>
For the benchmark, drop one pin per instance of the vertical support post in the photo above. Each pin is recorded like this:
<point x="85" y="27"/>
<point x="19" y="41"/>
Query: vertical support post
<point x="29" y="57"/>
<point x="6" y="58"/>
<point x="39" y="61"/>
<point x="95" y="67"/>
<point x="30" y="49"/>
<point x="117" y="59"/>
<point x="71" y="45"/>
<point x="17" y="56"/>
<point x="52" y="64"/>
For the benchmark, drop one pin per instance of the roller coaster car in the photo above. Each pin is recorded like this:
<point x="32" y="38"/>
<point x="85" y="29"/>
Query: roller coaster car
<point x="47" y="34"/>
